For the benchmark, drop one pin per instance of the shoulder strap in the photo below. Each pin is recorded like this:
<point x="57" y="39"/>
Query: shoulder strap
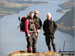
<point x="23" y="19"/>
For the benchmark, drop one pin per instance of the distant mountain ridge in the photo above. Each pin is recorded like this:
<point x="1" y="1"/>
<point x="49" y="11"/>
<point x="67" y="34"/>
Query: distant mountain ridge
<point x="9" y="7"/>
<point x="66" y="22"/>
<point x="67" y="5"/>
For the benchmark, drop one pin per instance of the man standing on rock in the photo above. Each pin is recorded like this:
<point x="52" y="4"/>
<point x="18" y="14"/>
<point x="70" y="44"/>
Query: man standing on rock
<point x="49" y="28"/>
<point x="31" y="32"/>
<point x="38" y="25"/>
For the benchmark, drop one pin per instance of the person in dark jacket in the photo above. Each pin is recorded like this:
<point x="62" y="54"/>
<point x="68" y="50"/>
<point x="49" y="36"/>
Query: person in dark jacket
<point x="37" y="20"/>
<point x="49" y="28"/>
<point x="31" y="32"/>
<point x="38" y="25"/>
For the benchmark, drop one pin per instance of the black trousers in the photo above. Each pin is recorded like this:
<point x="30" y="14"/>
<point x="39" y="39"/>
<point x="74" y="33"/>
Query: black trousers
<point x="31" y="41"/>
<point x="50" y="40"/>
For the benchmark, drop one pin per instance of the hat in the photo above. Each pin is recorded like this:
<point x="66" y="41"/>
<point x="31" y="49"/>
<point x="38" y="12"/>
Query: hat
<point x="49" y="14"/>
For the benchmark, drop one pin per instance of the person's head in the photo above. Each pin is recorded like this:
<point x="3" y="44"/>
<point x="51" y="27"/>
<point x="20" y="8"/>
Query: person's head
<point x="36" y="12"/>
<point x="31" y="14"/>
<point x="48" y="16"/>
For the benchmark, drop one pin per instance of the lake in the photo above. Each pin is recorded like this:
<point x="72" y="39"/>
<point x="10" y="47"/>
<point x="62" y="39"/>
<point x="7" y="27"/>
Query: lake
<point x="12" y="39"/>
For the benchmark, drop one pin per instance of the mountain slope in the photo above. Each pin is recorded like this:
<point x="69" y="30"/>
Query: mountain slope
<point x="66" y="22"/>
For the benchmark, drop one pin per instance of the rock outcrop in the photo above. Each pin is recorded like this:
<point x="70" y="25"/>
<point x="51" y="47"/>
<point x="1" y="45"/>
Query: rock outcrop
<point x="24" y="53"/>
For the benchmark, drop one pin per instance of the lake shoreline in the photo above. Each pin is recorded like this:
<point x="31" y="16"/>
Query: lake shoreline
<point x="16" y="6"/>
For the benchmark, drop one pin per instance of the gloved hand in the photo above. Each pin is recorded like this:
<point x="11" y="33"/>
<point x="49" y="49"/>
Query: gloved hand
<point x="44" y="34"/>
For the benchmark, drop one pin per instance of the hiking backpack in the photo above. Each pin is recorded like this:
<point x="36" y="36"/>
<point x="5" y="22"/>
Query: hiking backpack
<point x="22" y="24"/>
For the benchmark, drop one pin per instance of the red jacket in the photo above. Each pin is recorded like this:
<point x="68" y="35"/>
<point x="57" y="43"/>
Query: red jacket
<point x="26" y="27"/>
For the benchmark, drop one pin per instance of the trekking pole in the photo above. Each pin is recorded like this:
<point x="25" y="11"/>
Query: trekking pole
<point x="19" y="18"/>
<point x="19" y="21"/>
<point x="64" y="45"/>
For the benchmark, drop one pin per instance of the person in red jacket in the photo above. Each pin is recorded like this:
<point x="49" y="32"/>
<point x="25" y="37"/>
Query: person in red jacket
<point x="31" y="33"/>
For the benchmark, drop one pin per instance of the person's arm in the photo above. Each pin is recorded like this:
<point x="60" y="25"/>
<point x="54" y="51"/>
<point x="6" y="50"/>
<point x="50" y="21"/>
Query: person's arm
<point x="40" y="22"/>
<point x="55" y="26"/>
<point x="26" y="27"/>
<point x="44" y="29"/>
